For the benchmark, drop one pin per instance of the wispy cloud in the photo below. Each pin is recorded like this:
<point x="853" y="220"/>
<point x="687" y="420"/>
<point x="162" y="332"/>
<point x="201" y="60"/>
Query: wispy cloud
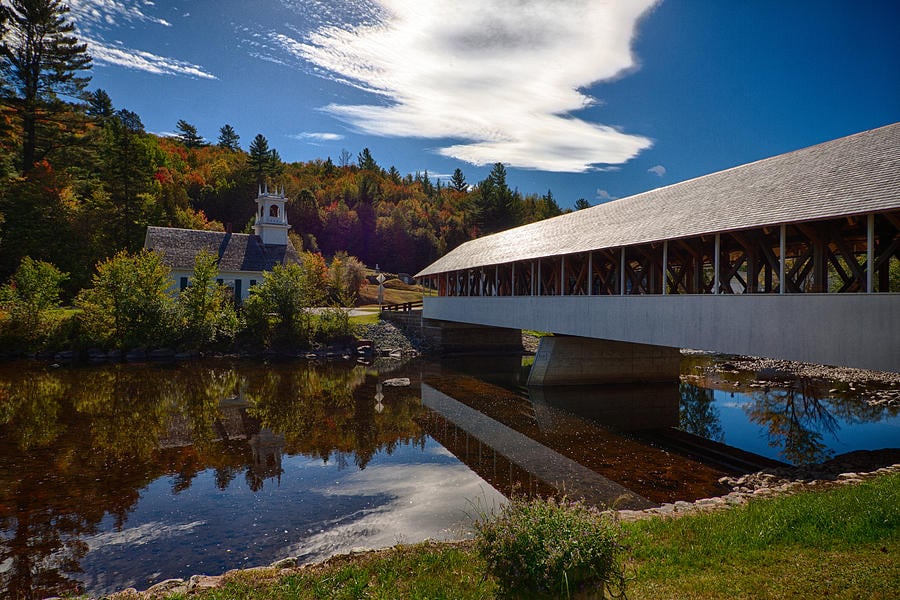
<point x="105" y="14"/>
<point x="503" y="77"/>
<point x="317" y="136"/>
<point x="604" y="196"/>
<point x="97" y="18"/>
<point x="114" y="54"/>
<point x="657" y="170"/>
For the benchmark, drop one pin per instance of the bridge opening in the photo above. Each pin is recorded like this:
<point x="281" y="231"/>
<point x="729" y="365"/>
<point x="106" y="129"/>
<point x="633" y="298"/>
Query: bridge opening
<point x="859" y="253"/>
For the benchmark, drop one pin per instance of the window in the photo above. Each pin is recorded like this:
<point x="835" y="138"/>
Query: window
<point x="183" y="283"/>
<point x="273" y="210"/>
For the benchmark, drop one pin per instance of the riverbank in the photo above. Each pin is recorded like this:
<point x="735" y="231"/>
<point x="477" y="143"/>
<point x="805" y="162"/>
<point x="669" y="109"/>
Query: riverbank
<point x="841" y="541"/>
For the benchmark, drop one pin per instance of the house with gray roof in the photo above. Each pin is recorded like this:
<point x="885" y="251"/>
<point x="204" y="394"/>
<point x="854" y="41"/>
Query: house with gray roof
<point x="242" y="258"/>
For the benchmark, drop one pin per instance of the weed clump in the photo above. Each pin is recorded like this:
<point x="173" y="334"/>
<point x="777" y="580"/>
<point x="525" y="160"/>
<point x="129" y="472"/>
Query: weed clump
<point x="545" y="546"/>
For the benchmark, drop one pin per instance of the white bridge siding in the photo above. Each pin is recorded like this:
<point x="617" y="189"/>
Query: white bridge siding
<point x="853" y="330"/>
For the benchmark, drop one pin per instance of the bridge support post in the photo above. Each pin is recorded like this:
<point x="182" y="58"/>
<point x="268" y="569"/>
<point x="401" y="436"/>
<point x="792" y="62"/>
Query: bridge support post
<point x="569" y="360"/>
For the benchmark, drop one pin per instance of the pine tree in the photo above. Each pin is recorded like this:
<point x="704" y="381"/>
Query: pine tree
<point x="365" y="161"/>
<point x="188" y="134"/>
<point x="458" y="181"/>
<point x="228" y="138"/>
<point x="581" y="204"/>
<point x="260" y="156"/>
<point x="39" y="60"/>
<point x="100" y="105"/>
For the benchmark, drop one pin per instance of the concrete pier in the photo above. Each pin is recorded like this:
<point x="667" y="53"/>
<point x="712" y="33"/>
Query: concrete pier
<point x="570" y="360"/>
<point x="452" y="337"/>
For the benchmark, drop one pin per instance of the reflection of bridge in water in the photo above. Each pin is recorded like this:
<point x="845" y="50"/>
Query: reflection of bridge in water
<point x="609" y="445"/>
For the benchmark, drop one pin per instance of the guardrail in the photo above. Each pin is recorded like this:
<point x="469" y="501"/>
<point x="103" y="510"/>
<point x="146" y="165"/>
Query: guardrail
<point x="402" y="307"/>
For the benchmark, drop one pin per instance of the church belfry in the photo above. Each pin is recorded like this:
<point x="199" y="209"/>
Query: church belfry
<point x="271" y="219"/>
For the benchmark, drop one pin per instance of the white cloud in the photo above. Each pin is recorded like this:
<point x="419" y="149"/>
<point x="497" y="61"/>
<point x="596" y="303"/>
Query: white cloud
<point x="317" y="136"/>
<point x="604" y="196"/>
<point x="501" y="76"/>
<point x="121" y="56"/>
<point x="657" y="170"/>
<point x="94" y="18"/>
<point x="91" y="14"/>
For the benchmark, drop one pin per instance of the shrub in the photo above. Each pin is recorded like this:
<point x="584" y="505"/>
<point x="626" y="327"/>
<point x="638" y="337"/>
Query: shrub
<point x="542" y="546"/>
<point x="30" y="318"/>
<point x="205" y="309"/>
<point x="128" y="305"/>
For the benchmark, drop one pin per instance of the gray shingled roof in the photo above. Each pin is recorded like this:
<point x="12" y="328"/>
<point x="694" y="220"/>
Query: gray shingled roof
<point x="853" y="175"/>
<point x="236" y="251"/>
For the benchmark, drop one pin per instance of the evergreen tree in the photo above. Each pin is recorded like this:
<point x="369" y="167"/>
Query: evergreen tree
<point x="458" y="181"/>
<point x="394" y="174"/>
<point x="130" y="158"/>
<point x="188" y="134"/>
<point x="365" y="160"/>
<point x="39" y="59"/>
<point x="100" y="105"/>
<point x="228" y="138"/>
<point x="495" y="202"/>
<point x="581" y="204"/>
<point x="260" y="156"/>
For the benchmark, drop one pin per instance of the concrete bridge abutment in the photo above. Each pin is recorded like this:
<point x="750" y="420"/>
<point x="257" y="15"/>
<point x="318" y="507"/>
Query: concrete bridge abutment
<point x="571" y="360"/>
<point x="453" y="337"/>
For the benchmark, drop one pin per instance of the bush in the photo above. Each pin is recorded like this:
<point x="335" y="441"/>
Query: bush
<point x="128" y="305"/>
<point x="542" y="546"/>
<point x="205" y="309"/>
<point x="30" y="318"/>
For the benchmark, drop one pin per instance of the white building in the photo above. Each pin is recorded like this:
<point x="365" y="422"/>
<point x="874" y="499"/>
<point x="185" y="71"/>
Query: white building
<point x="242" y="258"/>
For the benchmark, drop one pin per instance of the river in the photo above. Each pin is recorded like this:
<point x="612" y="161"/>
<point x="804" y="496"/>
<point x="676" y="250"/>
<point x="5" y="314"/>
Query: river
<point x="123" y="475"/>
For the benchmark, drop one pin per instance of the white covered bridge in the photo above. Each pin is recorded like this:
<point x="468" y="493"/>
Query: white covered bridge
<point x="796" y="256"/>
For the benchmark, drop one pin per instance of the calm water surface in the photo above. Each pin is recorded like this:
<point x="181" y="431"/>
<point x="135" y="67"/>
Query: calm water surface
<point x="125" y="475"/>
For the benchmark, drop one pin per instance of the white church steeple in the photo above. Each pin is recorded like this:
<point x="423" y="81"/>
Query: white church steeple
<point x="271" y="219"/>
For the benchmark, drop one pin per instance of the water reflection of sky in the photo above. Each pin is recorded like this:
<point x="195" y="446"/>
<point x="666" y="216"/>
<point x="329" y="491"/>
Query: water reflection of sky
<point x="317" y="509"/>
<point x="741" y="432"/>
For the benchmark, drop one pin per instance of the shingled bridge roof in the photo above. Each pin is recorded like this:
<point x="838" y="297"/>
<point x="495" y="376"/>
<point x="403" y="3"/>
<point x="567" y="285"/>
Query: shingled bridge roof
<point x="853" y="175"/>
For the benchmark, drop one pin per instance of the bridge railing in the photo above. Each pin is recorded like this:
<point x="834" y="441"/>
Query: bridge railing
<point x="402" y="307"/>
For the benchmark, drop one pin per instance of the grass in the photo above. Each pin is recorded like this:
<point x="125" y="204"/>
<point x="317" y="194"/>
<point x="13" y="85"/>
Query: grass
<point x="369" y="295"/>
<point x="841" y="543"/>
<point x="838" y="544"/>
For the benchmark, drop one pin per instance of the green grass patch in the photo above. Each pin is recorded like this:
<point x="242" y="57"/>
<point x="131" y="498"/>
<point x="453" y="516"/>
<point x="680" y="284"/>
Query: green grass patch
<point x="369" y="318"/>
<point x="842" y="543"/>
<point x="421" y="571"/>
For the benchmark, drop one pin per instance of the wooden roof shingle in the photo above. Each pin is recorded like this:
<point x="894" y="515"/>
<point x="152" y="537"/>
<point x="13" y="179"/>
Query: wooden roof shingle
<point x="236" y="251"/>
<point x="853" y="175"/>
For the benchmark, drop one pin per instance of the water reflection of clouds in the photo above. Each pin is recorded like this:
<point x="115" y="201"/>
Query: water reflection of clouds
<point x="426" y="503"/>
<point x="142" y="534"/>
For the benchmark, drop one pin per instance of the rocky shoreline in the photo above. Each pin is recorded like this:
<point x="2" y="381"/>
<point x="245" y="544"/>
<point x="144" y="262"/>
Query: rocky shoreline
<point x="854" y="467"/>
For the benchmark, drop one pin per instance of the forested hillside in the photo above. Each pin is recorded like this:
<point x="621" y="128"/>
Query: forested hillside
<point x="81" y="178"/>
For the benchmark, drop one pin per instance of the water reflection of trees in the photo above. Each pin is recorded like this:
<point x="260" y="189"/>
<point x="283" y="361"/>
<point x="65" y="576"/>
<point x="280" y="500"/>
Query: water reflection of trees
<point x="698" y="413"/>
<point x="797" y="418"/>
<point x="77" y="445"/>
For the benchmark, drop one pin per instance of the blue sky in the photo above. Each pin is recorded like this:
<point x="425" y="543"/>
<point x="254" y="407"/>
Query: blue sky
<point x="589" y="99"/>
